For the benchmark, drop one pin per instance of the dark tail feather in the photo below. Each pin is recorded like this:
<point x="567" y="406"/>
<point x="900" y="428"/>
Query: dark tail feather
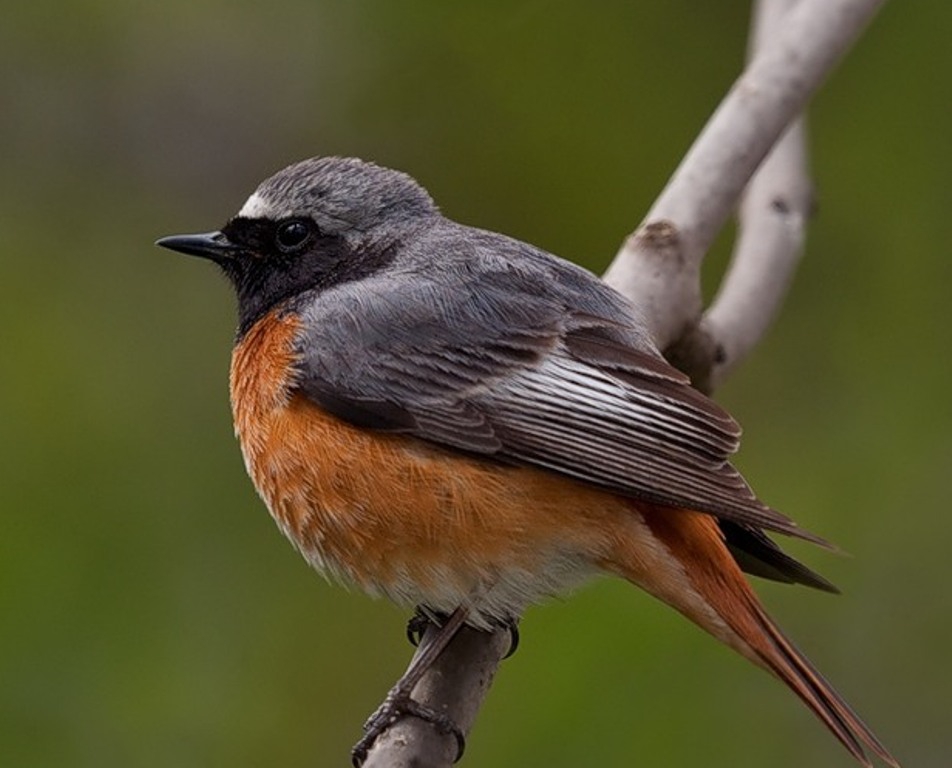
<point x="758" y="555"/>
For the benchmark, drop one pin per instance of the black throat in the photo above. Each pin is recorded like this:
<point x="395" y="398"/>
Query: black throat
<point x="265" y="278"/>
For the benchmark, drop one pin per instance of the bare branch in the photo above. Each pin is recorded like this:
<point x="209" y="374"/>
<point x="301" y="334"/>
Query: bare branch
<point x="773" y="215"/>
<point x="662" y="274"/>
<point x="456" y="684"/>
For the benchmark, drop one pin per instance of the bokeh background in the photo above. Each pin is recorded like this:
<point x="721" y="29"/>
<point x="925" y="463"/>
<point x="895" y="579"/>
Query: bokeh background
<point x="150" y="612"/>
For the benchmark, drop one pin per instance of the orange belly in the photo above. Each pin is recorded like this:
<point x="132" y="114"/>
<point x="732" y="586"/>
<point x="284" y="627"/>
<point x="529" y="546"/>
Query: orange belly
<point x="396" y="516"/>
<point x="420" y="524"/>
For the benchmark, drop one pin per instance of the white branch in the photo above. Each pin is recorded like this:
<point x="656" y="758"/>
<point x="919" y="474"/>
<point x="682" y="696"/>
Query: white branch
<point x="659" y="265"/>
<point x="773" y="216"/>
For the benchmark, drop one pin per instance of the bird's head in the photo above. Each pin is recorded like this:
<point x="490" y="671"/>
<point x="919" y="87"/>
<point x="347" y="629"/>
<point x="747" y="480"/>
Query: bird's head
<point x="315" y="224"/>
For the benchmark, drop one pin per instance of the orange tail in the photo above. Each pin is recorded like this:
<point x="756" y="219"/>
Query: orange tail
<point x="707" y="586"/>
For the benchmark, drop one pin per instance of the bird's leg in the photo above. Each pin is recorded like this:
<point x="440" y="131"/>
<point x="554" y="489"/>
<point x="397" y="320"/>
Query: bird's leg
<point x="398" y="703"/>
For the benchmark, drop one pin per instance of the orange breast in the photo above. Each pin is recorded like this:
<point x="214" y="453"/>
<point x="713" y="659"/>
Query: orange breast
<point x="398" y="516"/>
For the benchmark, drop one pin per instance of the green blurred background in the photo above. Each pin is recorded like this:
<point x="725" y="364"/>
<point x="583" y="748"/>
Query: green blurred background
<point x="150" y="612"/>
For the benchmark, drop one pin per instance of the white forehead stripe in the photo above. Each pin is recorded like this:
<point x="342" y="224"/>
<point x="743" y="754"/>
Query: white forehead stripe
<point x="257" y="207"/>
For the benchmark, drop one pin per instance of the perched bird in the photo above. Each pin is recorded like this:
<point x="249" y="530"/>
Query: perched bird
<point x="452" y="418"/>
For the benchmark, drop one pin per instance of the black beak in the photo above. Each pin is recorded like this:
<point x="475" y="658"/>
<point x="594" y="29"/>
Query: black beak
<point x="211" y="245"/>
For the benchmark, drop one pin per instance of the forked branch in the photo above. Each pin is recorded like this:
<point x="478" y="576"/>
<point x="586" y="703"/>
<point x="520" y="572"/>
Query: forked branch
<point x="797" y="45"/>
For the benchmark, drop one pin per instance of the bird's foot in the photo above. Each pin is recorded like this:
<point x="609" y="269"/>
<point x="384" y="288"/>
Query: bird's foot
<point x="398" y="702"/>
<point x="397" y="705"/>
<point x="419" y="621"/>
<point x="513" y="626"/>
<point x="424" y="617"/>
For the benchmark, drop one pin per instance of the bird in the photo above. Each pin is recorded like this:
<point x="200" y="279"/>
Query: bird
<point x="452" y="418"/>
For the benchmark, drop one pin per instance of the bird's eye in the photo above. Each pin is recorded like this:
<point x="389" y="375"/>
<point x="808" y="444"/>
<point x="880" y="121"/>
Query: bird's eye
<point x="291" y="235"/>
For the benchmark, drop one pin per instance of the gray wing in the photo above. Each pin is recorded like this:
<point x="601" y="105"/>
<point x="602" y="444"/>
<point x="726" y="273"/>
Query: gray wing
<point x="529" y="361"/>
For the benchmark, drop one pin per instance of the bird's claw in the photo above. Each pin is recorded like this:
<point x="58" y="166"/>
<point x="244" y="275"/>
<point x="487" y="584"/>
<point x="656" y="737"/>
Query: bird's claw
<point x="421" y="619"/>
<point x="388" y="713"/>
<point x="416" y="626"/>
